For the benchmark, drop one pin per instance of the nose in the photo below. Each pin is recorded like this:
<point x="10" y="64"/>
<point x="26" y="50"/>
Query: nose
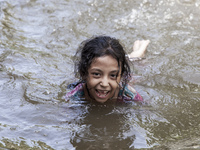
<point x="104" y="82"/>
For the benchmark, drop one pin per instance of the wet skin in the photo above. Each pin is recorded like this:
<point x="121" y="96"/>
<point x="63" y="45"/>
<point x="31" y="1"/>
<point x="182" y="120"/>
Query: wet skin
<point x="103" y="78"/>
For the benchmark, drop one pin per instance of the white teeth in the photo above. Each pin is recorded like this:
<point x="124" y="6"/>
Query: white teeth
<point x="102" y="93"/>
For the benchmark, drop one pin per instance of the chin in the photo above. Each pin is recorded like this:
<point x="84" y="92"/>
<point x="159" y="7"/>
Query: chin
<point x="101" y="101"/>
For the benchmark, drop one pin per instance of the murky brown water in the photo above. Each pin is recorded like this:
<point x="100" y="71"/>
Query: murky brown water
<point x="37" y="41"/>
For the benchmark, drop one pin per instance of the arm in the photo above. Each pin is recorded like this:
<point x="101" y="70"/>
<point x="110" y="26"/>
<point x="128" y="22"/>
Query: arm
<point x="139" y="49"/>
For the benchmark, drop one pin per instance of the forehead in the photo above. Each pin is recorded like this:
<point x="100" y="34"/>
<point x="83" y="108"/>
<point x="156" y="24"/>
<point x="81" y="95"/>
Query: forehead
<point x="105" y="62"/>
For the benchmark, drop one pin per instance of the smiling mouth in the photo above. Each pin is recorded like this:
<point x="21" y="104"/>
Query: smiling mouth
<point x="102" y="94"/>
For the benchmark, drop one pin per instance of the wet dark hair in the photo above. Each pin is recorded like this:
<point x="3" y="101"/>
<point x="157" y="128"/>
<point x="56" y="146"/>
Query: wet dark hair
<point x="100" y="46"/>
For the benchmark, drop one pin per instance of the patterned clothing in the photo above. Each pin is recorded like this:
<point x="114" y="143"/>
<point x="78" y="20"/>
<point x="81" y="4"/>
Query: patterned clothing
<point x="128" y="94"/>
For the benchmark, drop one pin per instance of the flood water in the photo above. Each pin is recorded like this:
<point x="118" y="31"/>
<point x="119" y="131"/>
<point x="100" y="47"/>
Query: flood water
<point x="37" y="41"/>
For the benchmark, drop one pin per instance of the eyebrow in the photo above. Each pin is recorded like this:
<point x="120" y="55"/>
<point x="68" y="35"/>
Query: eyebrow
<point x="95" y="69"/>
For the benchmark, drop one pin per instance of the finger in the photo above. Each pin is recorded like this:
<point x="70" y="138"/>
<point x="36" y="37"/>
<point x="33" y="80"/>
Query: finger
<point x="143" y="45"/>
<point x="136" y="45"/>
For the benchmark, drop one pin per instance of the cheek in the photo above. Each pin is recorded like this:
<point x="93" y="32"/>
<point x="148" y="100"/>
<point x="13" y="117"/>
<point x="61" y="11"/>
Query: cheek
<point x="114" y="84"/>
<point x="91" y="82"/>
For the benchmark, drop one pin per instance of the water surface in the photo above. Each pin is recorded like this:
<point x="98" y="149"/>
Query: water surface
<point x="37" y="42"/>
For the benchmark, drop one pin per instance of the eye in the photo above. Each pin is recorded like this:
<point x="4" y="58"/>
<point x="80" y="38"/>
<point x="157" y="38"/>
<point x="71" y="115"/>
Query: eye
<point x="113" y="76"/>
<point x="96" y="74"/>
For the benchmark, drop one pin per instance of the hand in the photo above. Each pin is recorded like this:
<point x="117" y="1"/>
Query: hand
<point x="139" y="49"/>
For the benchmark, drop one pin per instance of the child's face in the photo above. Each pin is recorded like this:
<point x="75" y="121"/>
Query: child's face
<point x="103" y="78"/>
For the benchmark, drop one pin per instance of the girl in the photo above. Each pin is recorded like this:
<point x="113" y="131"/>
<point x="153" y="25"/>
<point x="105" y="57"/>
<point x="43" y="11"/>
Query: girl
<point x="104" y="72"/>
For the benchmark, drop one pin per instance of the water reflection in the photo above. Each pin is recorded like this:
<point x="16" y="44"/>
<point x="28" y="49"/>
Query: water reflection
<point x="107" y="127"/>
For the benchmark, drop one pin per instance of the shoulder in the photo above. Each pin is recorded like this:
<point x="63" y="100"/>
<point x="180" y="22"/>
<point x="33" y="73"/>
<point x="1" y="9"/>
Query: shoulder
<point x="76" y="92"/>
<point x="130" y="93"/>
